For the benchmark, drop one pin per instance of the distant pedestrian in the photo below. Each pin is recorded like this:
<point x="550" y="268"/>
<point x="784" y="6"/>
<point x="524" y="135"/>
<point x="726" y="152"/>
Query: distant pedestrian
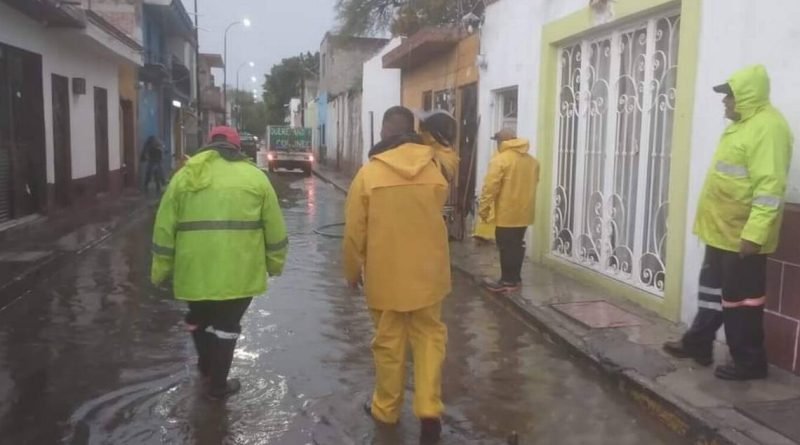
<point x="510" y="189"/>
<point x="219" y="232"/>
<point x="396" y="242"/>
<point x="438" y="130"/>
<point x="152" y="158"/>
<point x="739" y="219"/>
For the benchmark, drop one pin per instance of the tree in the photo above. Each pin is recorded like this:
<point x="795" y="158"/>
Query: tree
<point x="284" y="82"/>
<point x="402" y="17"/>
<point x="250" y="115"/>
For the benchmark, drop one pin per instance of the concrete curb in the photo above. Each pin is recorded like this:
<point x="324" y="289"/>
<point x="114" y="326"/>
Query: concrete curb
<point x="686" y="421"/>
<point x="46" y="267"/>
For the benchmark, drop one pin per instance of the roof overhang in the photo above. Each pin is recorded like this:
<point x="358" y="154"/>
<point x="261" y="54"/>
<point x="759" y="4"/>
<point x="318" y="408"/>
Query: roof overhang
<point x="53" y="13"/>
<point x="422" y="47"/>
<point x="212" y="60"/>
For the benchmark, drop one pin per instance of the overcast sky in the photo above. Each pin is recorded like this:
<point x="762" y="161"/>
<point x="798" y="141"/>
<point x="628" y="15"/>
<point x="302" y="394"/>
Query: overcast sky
<point x="280" y="28"/>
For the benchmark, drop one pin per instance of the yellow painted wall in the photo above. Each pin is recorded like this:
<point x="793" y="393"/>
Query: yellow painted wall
<point x="453" y="69"/>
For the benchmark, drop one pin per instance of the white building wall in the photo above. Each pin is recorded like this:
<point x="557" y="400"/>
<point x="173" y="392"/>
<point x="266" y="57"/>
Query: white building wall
<point x="511" y="42"/>
<point x="381" y="92"/>
<point x="60" y="55"/>
<point x="511" y="47"/>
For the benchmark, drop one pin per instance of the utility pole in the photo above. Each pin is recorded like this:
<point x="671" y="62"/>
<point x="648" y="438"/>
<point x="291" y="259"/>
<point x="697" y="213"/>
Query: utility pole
<point x="199" y="101"/>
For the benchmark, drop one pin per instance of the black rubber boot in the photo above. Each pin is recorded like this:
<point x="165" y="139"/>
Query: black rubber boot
<point x="430" y="431"/>
<point x="677" y="349"/>
<point x="221" y="358"/>
<point x="202" y="344"/>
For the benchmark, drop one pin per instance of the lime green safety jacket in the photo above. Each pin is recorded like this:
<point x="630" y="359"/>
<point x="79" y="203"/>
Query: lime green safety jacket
<point x="219" y="230"/>
<point x="744" y="190"/>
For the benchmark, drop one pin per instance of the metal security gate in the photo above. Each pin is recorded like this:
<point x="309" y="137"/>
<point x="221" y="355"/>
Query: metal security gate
<point x="615" y="113"/>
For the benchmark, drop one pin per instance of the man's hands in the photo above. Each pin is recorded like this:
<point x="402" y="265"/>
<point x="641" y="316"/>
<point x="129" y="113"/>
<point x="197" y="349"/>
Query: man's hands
<point x="748" y="248"/>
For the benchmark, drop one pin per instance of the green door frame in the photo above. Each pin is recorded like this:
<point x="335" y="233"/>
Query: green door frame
<point x="554" y="36"/>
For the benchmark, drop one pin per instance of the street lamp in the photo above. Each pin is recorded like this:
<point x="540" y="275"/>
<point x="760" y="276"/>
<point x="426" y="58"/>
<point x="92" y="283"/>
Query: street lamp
<point x="246" y="23"/>
<point x="253" y="79"/>
<point x="236" y="98"/>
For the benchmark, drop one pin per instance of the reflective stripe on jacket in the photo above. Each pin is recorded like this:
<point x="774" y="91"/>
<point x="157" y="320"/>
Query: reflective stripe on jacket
<point x="219" y="230"/>
<point x="395" y="232"/>
<point x="743" y="194"/>
<point x="510" y="186"/>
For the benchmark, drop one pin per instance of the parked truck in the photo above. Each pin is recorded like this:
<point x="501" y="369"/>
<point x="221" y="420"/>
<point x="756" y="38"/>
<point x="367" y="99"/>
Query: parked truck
<point x="289" y="148"/>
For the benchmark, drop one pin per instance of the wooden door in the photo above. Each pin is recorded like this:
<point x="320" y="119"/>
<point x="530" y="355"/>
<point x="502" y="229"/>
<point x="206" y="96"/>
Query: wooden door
<point x="101" y="138"/>
<point x="62" y="140"/>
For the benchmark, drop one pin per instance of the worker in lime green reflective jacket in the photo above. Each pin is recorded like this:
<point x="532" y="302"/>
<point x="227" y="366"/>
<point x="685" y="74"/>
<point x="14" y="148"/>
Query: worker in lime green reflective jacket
<point x="219" y="232"/>
<point x="739" y="219"/>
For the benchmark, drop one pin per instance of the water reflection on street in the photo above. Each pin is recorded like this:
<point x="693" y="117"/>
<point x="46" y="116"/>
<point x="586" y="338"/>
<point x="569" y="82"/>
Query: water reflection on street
<point x="96" y="356"/>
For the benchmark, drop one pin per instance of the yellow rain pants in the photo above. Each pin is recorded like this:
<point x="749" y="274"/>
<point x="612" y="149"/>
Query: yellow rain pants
<point x="426" y="333"/>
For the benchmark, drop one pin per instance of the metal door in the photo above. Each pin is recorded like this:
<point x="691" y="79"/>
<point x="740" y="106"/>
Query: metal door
<point x="101" y="138"/>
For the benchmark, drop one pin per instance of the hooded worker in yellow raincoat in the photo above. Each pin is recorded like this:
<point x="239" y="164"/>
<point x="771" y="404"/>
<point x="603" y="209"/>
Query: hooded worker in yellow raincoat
<point x="739" y="219"/>
<point x="438" y="130"/>
<point x="395" y="242"/>
<point x="510" y="191"/>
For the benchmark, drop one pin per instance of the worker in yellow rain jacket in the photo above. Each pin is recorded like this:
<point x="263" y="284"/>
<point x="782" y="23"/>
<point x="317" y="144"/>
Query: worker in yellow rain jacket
<point x="739" y="218"/>
<point x="510" y="189"/>
<point x="219" y="231"/>
<point x="438" y="129"/>
<point x="396" y="242"/>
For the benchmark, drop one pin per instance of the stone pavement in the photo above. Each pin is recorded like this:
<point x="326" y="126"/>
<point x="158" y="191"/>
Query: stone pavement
<point x="623" y="341"/>
<point x="33" y="250"/>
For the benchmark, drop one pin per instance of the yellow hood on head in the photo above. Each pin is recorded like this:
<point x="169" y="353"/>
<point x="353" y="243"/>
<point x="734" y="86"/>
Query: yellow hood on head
<point x="407" y="160"/>
<point x="750" y="87"/>
<point x="519" y="145"/>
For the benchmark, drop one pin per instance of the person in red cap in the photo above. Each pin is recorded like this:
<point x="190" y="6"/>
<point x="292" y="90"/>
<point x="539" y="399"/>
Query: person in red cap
<point x="219" y="233"/>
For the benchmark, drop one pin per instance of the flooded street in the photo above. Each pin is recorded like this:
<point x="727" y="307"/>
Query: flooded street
<point x="94" y="355"/>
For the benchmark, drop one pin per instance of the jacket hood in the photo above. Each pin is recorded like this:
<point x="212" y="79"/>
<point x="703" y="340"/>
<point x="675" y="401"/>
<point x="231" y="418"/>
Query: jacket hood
<point x="394" y="142"/>
<point x="518" y="145"/>
<point x="195" y="175"/>
<point x="407" y="160"/>
<point x="751" y="89"/>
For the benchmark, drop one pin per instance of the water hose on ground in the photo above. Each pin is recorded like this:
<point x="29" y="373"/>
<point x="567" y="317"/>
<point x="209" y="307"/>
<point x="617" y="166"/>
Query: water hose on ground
<point x="321" y="230"/>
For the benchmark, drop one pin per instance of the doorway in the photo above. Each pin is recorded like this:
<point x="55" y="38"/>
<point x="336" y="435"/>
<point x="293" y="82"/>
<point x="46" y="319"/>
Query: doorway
<point x="128" y="143"/>
<point x="62" y="137"/>
<point x="22" y="153"/>
<point x="463" y="195"/>
<point x="101" y="138"/>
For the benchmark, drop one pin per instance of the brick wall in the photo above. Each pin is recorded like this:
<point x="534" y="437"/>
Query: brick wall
<point x="782" y="319"/>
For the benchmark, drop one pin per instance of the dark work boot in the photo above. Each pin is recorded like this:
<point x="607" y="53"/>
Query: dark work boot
<point x="500" y="287"/>
<point x="221" y="358"/>
<point x="678" y="350"/>
<point x="430" y="431"/>
<point x="733" y="372"/>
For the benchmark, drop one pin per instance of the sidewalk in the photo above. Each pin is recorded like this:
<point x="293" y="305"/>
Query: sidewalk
<point x="685" y="397"/>
<point x="33" y="251"/>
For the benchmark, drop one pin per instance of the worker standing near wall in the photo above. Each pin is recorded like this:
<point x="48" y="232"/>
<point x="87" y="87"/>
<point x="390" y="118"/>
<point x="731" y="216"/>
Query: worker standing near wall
<point x="739" y="219"/>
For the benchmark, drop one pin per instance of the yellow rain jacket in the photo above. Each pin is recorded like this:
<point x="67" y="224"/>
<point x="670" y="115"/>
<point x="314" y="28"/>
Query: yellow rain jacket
<point x="510" y="186"/>
<point x="744" y="189"/>
<point x="219" y="230"/>
<point x="445" y="157"/>
<point x="394" y="230"/>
